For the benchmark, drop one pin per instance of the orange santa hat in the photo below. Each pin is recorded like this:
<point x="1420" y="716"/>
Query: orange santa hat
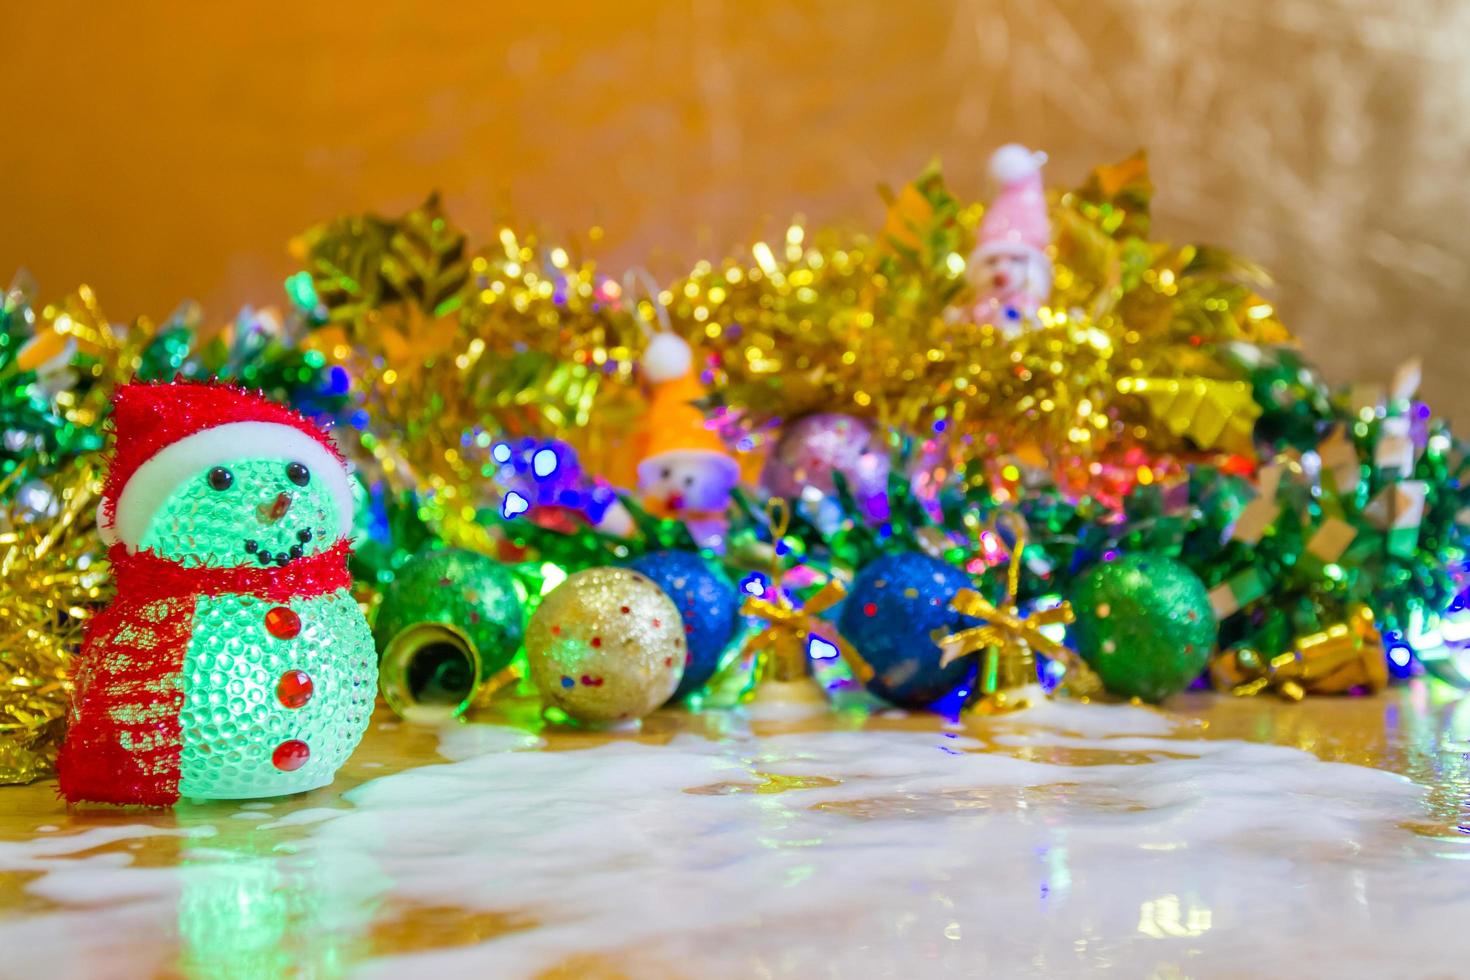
<point x="674" y="427"/>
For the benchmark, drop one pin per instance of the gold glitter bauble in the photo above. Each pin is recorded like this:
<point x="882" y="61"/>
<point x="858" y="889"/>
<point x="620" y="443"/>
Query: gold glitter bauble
<point x="607" y="645"/>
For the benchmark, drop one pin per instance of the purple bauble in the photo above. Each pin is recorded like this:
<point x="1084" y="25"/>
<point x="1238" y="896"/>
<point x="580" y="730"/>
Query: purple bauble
<point x="813" y="446"/>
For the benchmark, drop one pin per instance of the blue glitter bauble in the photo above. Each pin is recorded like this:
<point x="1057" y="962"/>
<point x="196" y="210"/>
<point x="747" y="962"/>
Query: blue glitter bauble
<point x="708" y="604"/>
<point x="892" y="611"/>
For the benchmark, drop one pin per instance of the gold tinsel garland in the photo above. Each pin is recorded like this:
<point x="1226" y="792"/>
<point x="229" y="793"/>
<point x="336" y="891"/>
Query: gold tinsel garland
<point x="449" y="349"/>
<point x="52" y="561"/>
<point x="54" y="577"/>
<point x="451" y="346"/>
<point x="1123" y="355"/>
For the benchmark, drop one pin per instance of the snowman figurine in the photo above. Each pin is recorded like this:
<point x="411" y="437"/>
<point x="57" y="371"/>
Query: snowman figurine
<point x="1010" y="268"/>
<point x="684" y="470"/>
<point x="233" y="662"/>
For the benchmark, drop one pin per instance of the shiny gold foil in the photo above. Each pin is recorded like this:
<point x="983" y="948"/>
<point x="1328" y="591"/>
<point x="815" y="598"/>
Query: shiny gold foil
<point x="54" y="578"/>
<point x="454" y="348"/>
<point x="1323" y="139"/>
<point x="1121" y="358"/>
<point x="1344" y="656"/>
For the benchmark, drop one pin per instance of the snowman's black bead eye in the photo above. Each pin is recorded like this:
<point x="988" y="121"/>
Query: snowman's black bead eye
<point x="298" y="474"/>
<point x="689" y="481"/>
<point x="667" y="473"/>
<point x="221" y="478"/>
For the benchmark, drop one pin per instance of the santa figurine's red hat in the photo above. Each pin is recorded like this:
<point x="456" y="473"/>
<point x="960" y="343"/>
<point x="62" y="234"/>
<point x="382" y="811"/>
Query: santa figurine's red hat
<point x="171" y="432"/>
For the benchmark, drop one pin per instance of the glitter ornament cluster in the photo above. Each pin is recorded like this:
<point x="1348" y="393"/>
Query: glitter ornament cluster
<point x="1041" y="361"/>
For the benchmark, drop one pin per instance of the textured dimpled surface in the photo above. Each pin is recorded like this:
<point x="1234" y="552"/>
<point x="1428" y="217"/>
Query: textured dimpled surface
<point x="707" y="603"/>
<point x="606" y="646"/>
<point x="233" y="720"/>
<point x="895" y="606"/>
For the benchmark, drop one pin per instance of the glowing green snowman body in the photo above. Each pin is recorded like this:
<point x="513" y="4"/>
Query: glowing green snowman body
<point x="277" y="694"/>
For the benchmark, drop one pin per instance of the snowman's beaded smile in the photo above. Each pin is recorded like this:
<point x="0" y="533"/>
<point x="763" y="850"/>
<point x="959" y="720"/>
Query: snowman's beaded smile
<point x="304" y="536"/>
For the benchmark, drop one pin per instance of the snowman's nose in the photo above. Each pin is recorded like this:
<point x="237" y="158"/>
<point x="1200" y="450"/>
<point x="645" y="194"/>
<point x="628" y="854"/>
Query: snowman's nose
<point x="275" y="510"/>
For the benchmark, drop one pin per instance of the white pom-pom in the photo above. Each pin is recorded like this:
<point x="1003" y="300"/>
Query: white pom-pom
<point x="1013" y="161"/>
<point x="667" y="357"/>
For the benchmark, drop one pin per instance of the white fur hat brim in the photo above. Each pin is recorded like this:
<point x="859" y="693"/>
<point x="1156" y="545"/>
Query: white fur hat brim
<point x="155" y="481"/>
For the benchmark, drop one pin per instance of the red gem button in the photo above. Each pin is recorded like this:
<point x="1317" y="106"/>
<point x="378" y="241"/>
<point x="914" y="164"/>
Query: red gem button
<point x="292" y="755"/>
<point x="282" y="623"/>
<point x="294" y="688"/>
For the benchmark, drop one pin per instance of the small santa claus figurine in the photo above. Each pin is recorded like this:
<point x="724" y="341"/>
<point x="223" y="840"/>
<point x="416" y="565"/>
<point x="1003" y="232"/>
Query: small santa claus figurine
<point x="684" y="470"/>
<point x="1010" y="267"/>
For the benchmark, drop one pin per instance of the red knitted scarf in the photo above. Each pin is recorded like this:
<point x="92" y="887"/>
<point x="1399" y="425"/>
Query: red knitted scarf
<point x="124" y="739"/>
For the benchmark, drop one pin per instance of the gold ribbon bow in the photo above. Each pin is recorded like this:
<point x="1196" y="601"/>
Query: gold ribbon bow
<point x="1008" y="639"/>
<point x="781" y="649"/>
<point x="1339" y="658"/>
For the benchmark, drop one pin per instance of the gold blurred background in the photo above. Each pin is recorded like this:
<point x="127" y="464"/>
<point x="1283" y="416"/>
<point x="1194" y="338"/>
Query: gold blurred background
<point x="163" y="150"/>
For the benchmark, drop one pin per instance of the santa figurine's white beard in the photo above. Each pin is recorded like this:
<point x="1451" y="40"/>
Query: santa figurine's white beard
<point x="1018" y="284"/>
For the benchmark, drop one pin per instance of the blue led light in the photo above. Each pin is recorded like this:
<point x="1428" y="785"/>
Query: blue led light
<point x="544" y="463"/>
<point x="513" y="504"/>
<point x="819" y="649"/>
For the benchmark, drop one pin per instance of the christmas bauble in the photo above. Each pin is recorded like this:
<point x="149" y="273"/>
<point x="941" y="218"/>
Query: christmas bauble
<point x="707" y="603"/>
<point x="1145" y="625"/>
<point x="606" y="646"/>
<point x="814" y="446"/>
<point x="896" y="606"/>
<point x="448" y="620"/>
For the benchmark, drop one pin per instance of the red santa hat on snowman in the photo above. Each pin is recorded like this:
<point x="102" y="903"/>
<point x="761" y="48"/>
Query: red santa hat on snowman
<point x="169" y="433"/>
<point x="1015" y="227"/>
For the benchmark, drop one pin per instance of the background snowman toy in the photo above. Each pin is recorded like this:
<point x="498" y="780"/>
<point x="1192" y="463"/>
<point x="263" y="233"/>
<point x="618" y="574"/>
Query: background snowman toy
<point x="1010" y="267"/>
<point x="233" y="662"/>
<point x="684" y="469"/>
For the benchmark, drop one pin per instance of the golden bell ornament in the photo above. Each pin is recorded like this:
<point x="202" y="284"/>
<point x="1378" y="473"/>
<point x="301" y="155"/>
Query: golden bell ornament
<point x="1007" y="679"/>
<point x="780" y="653"/>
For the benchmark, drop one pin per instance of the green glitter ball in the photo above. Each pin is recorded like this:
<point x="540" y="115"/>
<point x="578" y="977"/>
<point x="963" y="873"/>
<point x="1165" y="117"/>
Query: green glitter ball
<point x="448" y="621"/>
<point x="1145" y="625"/>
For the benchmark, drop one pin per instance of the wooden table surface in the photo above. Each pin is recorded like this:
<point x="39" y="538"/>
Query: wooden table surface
<point x="1418" y="731"/>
